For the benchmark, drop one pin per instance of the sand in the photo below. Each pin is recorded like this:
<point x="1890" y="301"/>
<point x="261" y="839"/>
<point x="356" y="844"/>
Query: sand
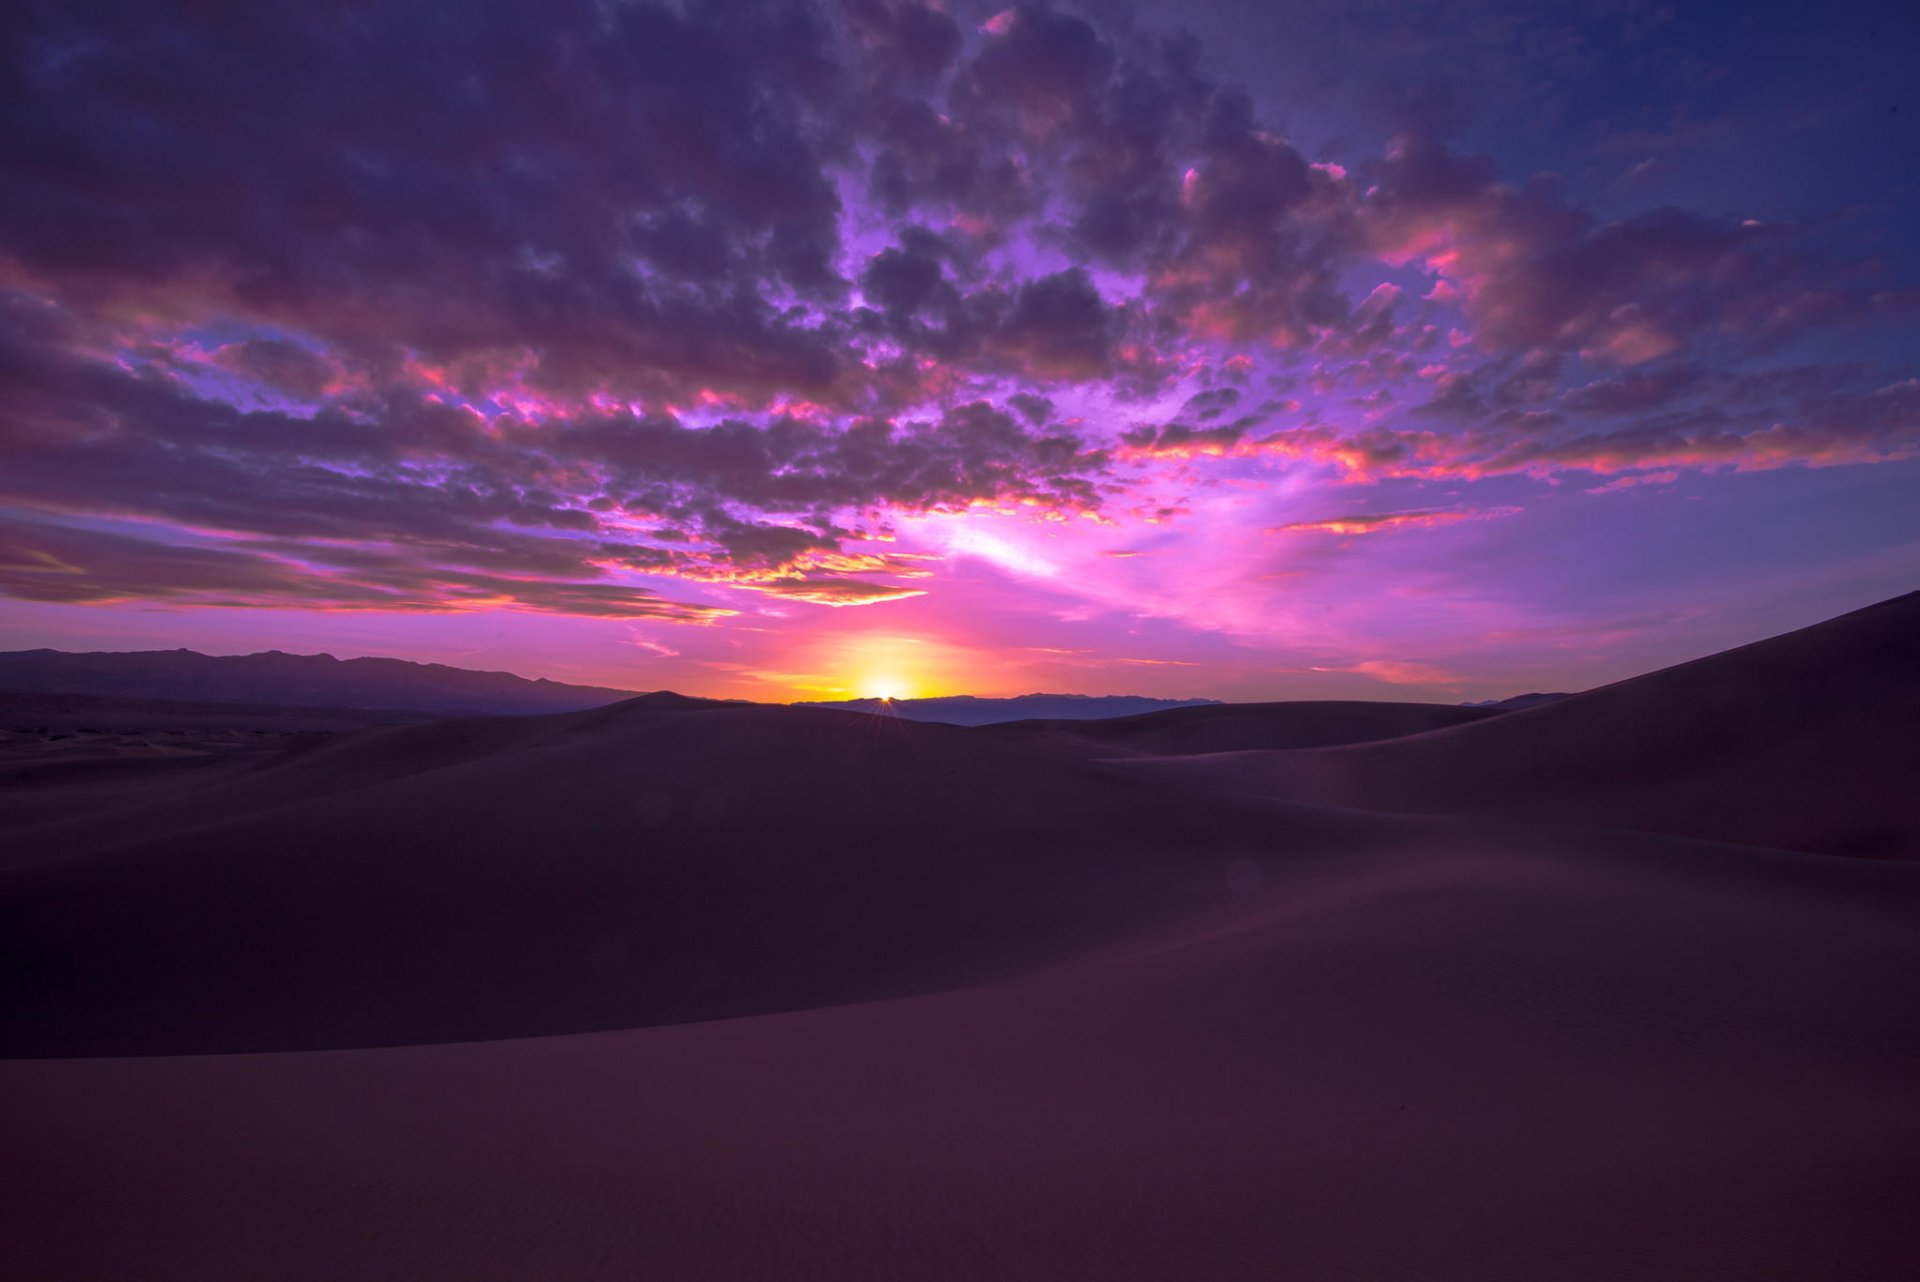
<point x="1238" y="727"/>
<point x="674" y="989"/>
<point x="1808" y="741"/>
<point x="1643" y="1059"/>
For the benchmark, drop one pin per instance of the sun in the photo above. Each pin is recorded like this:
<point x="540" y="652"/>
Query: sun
<point x="888" y="688"/>
<point x="890" y="666"/>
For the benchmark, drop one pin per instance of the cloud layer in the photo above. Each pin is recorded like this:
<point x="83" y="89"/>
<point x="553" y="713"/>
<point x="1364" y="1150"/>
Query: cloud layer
<point x="628" y="309"/>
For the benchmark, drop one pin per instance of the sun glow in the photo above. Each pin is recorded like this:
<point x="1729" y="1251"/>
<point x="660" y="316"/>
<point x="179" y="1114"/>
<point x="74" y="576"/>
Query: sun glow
<point x="884" y="687"/>
<point x="887" y="665"/>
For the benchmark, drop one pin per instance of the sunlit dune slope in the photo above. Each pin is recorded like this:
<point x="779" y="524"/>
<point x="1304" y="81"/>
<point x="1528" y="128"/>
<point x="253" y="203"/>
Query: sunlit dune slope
<point x="1234" y="726"/>
<point x="659" y="860"/>
<point x="1807" y="741"/>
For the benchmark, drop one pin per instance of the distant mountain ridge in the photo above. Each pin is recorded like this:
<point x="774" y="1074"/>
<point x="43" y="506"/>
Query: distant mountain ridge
<point x="972" y="710"/>
<point x="306" y="680"/>
<point x="1514" y="703"/>
<point x="315" y="681"/>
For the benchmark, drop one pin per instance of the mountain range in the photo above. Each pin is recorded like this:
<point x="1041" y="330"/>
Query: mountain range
<point x="301" y="680"/>
<point x="313" y="682"/>
<point x="973" y="710"/>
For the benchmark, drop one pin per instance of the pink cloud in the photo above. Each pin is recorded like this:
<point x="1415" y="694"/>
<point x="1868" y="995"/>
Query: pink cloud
<point x="828" y="591"/>
<point x="1632" y="480"/>
<point x="1372" y="524"/>
<point x="1400" y="673"/>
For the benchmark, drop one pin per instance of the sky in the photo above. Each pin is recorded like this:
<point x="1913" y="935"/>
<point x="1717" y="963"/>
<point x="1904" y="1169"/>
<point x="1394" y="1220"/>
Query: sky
<point x="1316" y="349"/>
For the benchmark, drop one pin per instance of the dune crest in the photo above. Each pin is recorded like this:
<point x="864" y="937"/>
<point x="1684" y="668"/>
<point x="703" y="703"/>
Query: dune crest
<point x="1233" y="727"/>
<point x="658" y="860"/>
<point x="1807" y="741"/>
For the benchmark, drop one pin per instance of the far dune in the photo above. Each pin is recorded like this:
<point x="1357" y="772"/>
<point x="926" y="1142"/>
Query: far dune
<point x="1235" y="726"/>
<point x="660" y="860"/>
<point x="1808" y="741"/>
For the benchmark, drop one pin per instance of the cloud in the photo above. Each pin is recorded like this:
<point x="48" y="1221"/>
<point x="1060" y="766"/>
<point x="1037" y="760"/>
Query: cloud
<point x="1178" y="441"/>
<point x="1369" y="524"/>
<point x="1044" y="72"/>
<point x="1260" y="237"/>
<point x="1060" y="328"/>
<point x="1537" y="272"/>
<point x="69" y="565"/>
<point x="509" y="495"/>
<point x="1632" y="480"/>
<point x="1397" y="672"/>
<point x="444" y="303"/>
<point x="822" y="590"/>
<point x="1818" y="424"/>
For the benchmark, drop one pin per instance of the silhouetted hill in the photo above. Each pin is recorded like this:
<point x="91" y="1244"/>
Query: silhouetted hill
<point x="970" y="710"/>
<point x="301" y="680"/>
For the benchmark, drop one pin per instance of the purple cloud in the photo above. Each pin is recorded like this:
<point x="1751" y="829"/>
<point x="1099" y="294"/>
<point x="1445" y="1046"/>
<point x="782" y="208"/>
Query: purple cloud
<point x="541" y="303"/>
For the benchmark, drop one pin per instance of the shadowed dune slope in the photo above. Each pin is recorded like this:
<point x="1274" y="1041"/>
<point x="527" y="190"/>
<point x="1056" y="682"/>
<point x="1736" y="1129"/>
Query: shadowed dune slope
<point x="1807" y="741"/>
<point x="1235" y="726"/>
<point x="84" y="793"/>
<point x="64" y="756"/>
<point x="1576" y="1056"/>
<point x="61" y="710"/>
<point x="659" y="860"/>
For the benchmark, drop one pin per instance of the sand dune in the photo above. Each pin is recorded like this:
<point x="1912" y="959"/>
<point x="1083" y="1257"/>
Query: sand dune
<point x="66" y="755"/>
<point x="1238" y="726"/>
<point x="656" y="861"/>
<point x="878" y="999"/>
<point x="1566" y="1057"/>
<point x="1808" y="741"/>
<point x="64" y="711"/>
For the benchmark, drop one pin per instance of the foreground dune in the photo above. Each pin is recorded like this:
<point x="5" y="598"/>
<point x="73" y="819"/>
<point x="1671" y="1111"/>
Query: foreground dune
<point x="1808" y="741"/>
<point x="1565" y="1057"/>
